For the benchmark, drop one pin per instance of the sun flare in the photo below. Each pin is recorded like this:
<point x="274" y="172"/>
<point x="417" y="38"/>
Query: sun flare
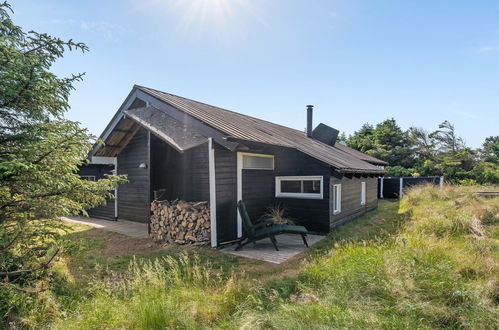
<point x="223" y="18"/>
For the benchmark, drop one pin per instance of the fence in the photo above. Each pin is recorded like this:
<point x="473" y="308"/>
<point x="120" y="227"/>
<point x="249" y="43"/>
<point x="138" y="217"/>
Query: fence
<point x="393" y="187"/>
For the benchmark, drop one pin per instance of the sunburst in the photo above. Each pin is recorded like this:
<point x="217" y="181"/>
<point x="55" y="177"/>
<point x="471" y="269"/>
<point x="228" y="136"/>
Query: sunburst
<point x="222" y="18"/>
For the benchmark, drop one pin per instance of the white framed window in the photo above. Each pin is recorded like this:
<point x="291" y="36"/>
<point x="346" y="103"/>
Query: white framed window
<point x="363" y="193"/>
<point x="336" y="199"/>
<point x="88" y="177"/>
<point x="257" y="161"/>
<point x="299" y="187"/>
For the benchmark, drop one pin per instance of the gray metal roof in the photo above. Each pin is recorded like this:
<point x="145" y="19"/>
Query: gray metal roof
<point x="242" y="127"/>
<point x="167" y="128"/>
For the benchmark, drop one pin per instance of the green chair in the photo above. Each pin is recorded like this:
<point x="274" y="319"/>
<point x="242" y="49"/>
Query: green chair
<point x="265" y="228"/>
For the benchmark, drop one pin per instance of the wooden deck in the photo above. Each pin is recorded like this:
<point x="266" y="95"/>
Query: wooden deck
<point x="289" y="245"/>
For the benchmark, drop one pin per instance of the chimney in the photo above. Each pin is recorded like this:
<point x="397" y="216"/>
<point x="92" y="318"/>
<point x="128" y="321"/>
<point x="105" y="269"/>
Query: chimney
<point x="310" y="109"/>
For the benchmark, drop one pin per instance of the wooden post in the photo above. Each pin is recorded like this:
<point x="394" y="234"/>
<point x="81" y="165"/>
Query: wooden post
<point x="213" y="193"/>
<point x="441" y="183"/>
<point x="401" y="186"/>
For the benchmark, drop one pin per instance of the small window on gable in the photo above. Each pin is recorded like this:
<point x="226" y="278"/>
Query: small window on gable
<point x="258" y="162"/>
<point x="299" y="186"/>
<point x="362" y="193"/>
<point x="336" y="199"/>
<point x="88" y="177"/>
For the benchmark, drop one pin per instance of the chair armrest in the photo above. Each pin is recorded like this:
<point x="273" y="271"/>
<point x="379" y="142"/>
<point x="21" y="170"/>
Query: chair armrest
<point x="264" y="219"/>
<point x="261" y="225"/>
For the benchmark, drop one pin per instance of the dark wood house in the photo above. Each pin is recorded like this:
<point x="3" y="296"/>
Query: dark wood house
<point x="197" y="152"/>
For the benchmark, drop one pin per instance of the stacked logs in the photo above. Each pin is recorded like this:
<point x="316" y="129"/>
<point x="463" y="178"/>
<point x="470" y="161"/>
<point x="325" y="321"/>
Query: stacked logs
<point x="180" y="222"/>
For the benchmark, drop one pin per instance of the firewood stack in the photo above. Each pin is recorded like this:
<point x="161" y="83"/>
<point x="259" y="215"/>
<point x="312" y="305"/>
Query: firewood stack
<point x="180" y="222"/>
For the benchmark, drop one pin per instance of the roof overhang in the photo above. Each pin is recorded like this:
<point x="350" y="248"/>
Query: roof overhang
<point x="186" y="132"/>
<point x="175" y="133"/>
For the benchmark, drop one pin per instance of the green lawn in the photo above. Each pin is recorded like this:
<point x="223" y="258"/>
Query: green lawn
<point x="429" y="261"/>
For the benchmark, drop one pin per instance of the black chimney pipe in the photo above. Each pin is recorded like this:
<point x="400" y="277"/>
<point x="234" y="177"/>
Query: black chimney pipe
<point x="310" y="109"/>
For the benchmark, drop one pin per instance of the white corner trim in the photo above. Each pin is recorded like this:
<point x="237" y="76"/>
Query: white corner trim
<point x="337" y="198"/>
<point x="213" y="193"/>
<point x="363" y="193"/>
<point x="278" y="192"/>
<point x="401" y="187"/>
<point x="381" y="188"/>
<point x="239" y="191"/>
<point x="116" y="190"/>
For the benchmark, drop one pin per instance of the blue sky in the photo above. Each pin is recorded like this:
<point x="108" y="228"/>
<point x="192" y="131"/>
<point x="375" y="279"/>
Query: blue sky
<point x="357" y="61"/>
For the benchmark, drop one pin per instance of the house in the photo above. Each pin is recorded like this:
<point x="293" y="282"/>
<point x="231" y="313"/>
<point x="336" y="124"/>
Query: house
<point x="193" y="151"/>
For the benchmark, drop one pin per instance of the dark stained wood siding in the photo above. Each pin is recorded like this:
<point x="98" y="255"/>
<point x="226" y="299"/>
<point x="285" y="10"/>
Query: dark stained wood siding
<point x="197" y="180"/>
<point x="350" y="198"/>
<point x="226" y="191"/>
<point x="134" y="196"/>
<point x="99" y="171"/>
<point x="311" y="213"/>
<point x="259" y="188"/>
<point x="182" y="175"/>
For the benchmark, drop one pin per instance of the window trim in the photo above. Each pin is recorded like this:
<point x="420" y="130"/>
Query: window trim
<point x="88" y="176"/>
<point x="336" y="198"/>
<point x="257" y="155"/>
<point x="363" y="193"/>
<point x="280" y="194"/>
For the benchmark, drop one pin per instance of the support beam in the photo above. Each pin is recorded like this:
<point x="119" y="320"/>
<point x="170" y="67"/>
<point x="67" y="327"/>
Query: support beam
<point x="213" y="193"/>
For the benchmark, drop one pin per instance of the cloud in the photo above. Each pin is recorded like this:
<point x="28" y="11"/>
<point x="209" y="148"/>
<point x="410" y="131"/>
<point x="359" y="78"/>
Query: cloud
<point x="67" y="21"/>
<point x="468" y="115"/>
<point x="109" y="30"/>
<point x="487" y="49"/>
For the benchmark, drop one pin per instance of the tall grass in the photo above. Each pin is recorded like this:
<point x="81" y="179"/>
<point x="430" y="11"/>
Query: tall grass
<point x="164" y="293"/>
<point x="439" y="271"/>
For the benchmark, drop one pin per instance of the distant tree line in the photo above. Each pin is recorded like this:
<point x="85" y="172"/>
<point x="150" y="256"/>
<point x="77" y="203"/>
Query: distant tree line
<point x="416" y="152"/>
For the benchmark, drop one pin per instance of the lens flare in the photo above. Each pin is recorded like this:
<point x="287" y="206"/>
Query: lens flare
<point x="199" y="18"/>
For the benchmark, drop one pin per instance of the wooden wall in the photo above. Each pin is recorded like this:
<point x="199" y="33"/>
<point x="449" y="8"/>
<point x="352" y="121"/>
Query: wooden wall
<point x="134" y="197"/>
<point x="311" y="213"/>
<point x="104" y="211"/>
<point x="350" y="198"/>
<point x="259" y="189"/>
<point x="182" y="175"/>
<point x="226" y="191"/>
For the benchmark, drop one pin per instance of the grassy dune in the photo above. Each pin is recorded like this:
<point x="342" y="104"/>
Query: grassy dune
<point x="430" y="261"/>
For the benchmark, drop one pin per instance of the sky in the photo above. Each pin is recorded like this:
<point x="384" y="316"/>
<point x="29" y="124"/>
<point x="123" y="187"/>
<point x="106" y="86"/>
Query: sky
<point x="357" y="61"/>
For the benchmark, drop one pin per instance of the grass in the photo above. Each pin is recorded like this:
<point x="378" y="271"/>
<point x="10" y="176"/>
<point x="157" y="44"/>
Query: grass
<point x="430" y="261"/>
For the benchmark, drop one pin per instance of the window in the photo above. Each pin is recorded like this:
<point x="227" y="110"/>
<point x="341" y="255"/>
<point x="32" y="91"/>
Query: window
<point x="336" y="199"/>
<point x="299" y="186"/>
<point x="362" y="193"/>
<point x="258" y="162"/>
<point x="88" y="177"/>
